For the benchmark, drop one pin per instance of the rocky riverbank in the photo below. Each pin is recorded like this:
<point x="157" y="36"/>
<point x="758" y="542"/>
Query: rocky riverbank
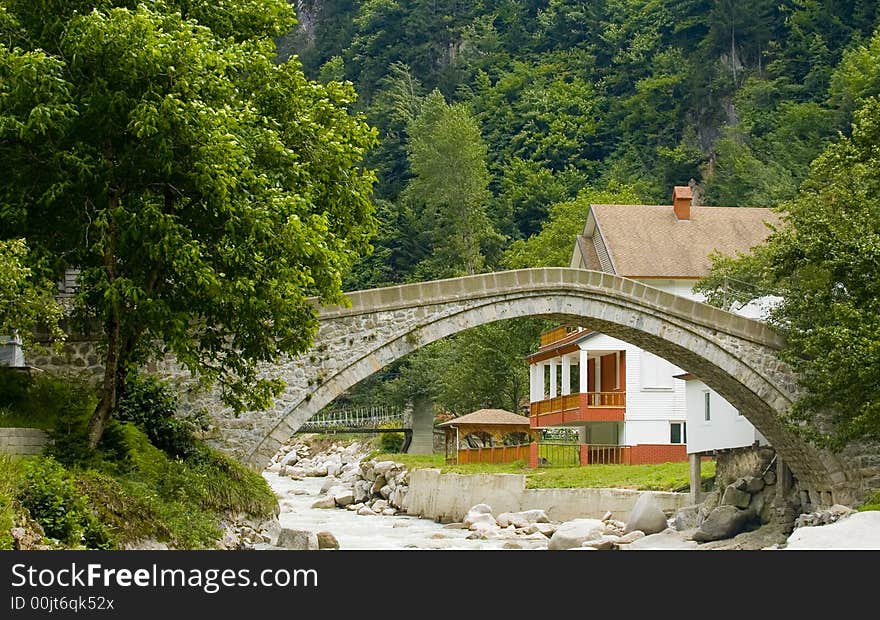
<point x="331" y="497"/>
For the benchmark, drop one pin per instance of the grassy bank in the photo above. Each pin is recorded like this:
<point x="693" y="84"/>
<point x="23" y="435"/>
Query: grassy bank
<point x="662" y="477"/>
<point x="149" y="479"/>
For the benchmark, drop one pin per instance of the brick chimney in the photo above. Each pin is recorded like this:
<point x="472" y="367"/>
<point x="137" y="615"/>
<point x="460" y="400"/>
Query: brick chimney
<point x="681" y="202"/>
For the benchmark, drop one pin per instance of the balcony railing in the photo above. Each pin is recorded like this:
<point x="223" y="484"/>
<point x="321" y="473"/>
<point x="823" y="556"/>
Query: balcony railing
<point x="583" y="407"/>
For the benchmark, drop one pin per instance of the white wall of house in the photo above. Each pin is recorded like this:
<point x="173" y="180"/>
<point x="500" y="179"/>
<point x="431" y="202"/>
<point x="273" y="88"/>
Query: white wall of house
<point x="682" y="287"/>
<point x="648" y="431"/>
<point x="653" y="397"/>
<point x="725" y="427"/>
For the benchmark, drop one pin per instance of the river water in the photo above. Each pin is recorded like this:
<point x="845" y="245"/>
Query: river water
<point x="371" y="532"/>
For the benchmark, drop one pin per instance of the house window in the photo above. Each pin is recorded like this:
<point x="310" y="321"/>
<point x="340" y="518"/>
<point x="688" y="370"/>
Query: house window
<point x="707" y="405"/>
<point x="677" y="432"/>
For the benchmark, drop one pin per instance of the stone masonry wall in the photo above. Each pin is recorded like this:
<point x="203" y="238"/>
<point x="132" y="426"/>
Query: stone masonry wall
<point x="22" y="441"/>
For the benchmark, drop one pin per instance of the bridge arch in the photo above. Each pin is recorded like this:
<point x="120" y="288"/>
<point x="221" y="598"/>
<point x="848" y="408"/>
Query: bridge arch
<point x="733" y="355"/>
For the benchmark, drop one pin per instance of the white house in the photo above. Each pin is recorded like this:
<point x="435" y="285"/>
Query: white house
<point x="622" y="399"/>
<point x="639" y="401"/>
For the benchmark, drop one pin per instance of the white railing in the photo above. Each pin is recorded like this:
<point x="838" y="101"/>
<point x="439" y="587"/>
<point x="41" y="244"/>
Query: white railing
<point x="356" y="417"/>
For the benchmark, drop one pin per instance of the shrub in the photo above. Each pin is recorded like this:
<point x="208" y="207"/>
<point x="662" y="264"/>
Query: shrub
<point x="10" y="472"/>
<point x="152" y="405"/>
<point x="390" y="442"/>
<point x="53" y="500"/>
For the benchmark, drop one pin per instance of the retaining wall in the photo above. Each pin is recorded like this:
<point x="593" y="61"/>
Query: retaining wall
<point x="22" y="441"/>
<point x="447" y="497"/>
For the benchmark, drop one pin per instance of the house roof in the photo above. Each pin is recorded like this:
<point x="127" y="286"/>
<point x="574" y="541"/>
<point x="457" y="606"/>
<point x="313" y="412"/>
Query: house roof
<point x="488" y="417"/>
<point x="649" y="241"/>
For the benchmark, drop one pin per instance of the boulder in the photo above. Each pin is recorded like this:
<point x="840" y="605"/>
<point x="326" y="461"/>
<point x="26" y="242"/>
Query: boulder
<point x="389" y="512"/>
<point x="753" y="484"/>
<point x="475" y="511"/>
<point x="710" y="503"/>
<point x="735" y="497"/>
<point x="646" y="516"/>
<point x="361" y="490"/>
<point x="343" y="496"/>
<point x="329" y="483"/>
<point x="523" y="518"/>
<point x="379" y="505"/>
<point x="326" y="540"/>
<point x="383" y="467"/>
<point x="385" y="491"/>
<point x="366" y="511"/>
<point x="545" y="529"/>
<point x="603" y="543"/>
<point x="480" y="521"/>
<point x="290" y="459"/>
<point x="686" y="518"/>
<point x="667" y="539"/>
<point x="297" y="540"/>
<point x="333" y="468"/>
<point x="378" y="483"/>
<point x="857" y="531"/>
<point x="630" y="538"/>
<point x="325" y="502"/>
<point x="574" y="533"/>
<point x="723" y="522"/>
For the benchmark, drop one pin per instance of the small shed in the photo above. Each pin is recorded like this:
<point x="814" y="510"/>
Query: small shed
<point x="493" y="424"/>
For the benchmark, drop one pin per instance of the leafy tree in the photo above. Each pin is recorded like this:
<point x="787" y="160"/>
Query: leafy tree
<point x="450" y="187"/>
<point x="824" y="262"/>
<point x="552" y="247"/>
<point x="205" y="190"/>
<point x="25" y="301"/>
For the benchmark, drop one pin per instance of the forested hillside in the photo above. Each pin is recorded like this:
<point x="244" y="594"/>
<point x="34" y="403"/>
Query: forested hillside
<point x="498" y="118"/>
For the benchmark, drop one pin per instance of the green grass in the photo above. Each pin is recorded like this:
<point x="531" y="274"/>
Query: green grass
<point x="127" y="490"/>
<point x="10" y="473"/>
<point x="871" y="504"/>
<point x="662" y="477"/>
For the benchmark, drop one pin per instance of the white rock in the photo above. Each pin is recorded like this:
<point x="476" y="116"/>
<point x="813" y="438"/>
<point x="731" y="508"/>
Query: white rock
<point x="646" y="516"/>
<point x="389" y="512"/>
<point x="329" y="484"/>
<point x="385" y="491"/>
<point x="629" y="538"/>
<point x="333" y="468"/>
<point x="382" y="467"/>
<point x="298" y="540"/>
<point x="603" y="543"/>
<point x="343" y="496"/>
<point x="325" y="502"/>
<point x="476" y="512"/>
<point x="544" y="529"/>
<point x="574" y="533"/>
<point x="523" y="518"/>
<point x="858" y="531"/>
<point x="365" y="511"/>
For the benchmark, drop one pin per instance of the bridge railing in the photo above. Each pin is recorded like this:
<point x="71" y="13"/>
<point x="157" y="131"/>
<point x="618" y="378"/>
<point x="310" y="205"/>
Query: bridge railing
<point x="355" y="417"/>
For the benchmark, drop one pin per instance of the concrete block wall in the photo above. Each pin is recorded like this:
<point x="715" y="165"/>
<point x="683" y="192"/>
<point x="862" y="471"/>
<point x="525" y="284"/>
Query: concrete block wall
<point x="23" y="441"/>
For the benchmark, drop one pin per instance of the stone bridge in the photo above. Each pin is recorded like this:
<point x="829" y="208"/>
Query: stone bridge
<point x="735" y="356"/>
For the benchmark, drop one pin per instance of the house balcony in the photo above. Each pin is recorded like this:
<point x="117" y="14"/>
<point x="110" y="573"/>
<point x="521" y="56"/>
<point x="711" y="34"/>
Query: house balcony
<point x="578" y="408"/>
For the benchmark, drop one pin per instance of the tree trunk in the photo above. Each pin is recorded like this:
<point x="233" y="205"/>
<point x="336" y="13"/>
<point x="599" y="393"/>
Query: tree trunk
<point x="109" y="386"/>
<point x="111" y="330"/>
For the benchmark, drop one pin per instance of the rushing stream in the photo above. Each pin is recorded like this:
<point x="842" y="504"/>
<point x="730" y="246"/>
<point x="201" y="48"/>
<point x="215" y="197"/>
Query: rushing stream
<point x="371" y="532"/>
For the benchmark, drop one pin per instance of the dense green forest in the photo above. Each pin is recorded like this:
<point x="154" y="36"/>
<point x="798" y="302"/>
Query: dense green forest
<point x="500" y="121"/>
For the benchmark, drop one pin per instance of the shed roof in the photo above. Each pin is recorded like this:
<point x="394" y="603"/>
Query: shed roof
<point x="488" y="417"/>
